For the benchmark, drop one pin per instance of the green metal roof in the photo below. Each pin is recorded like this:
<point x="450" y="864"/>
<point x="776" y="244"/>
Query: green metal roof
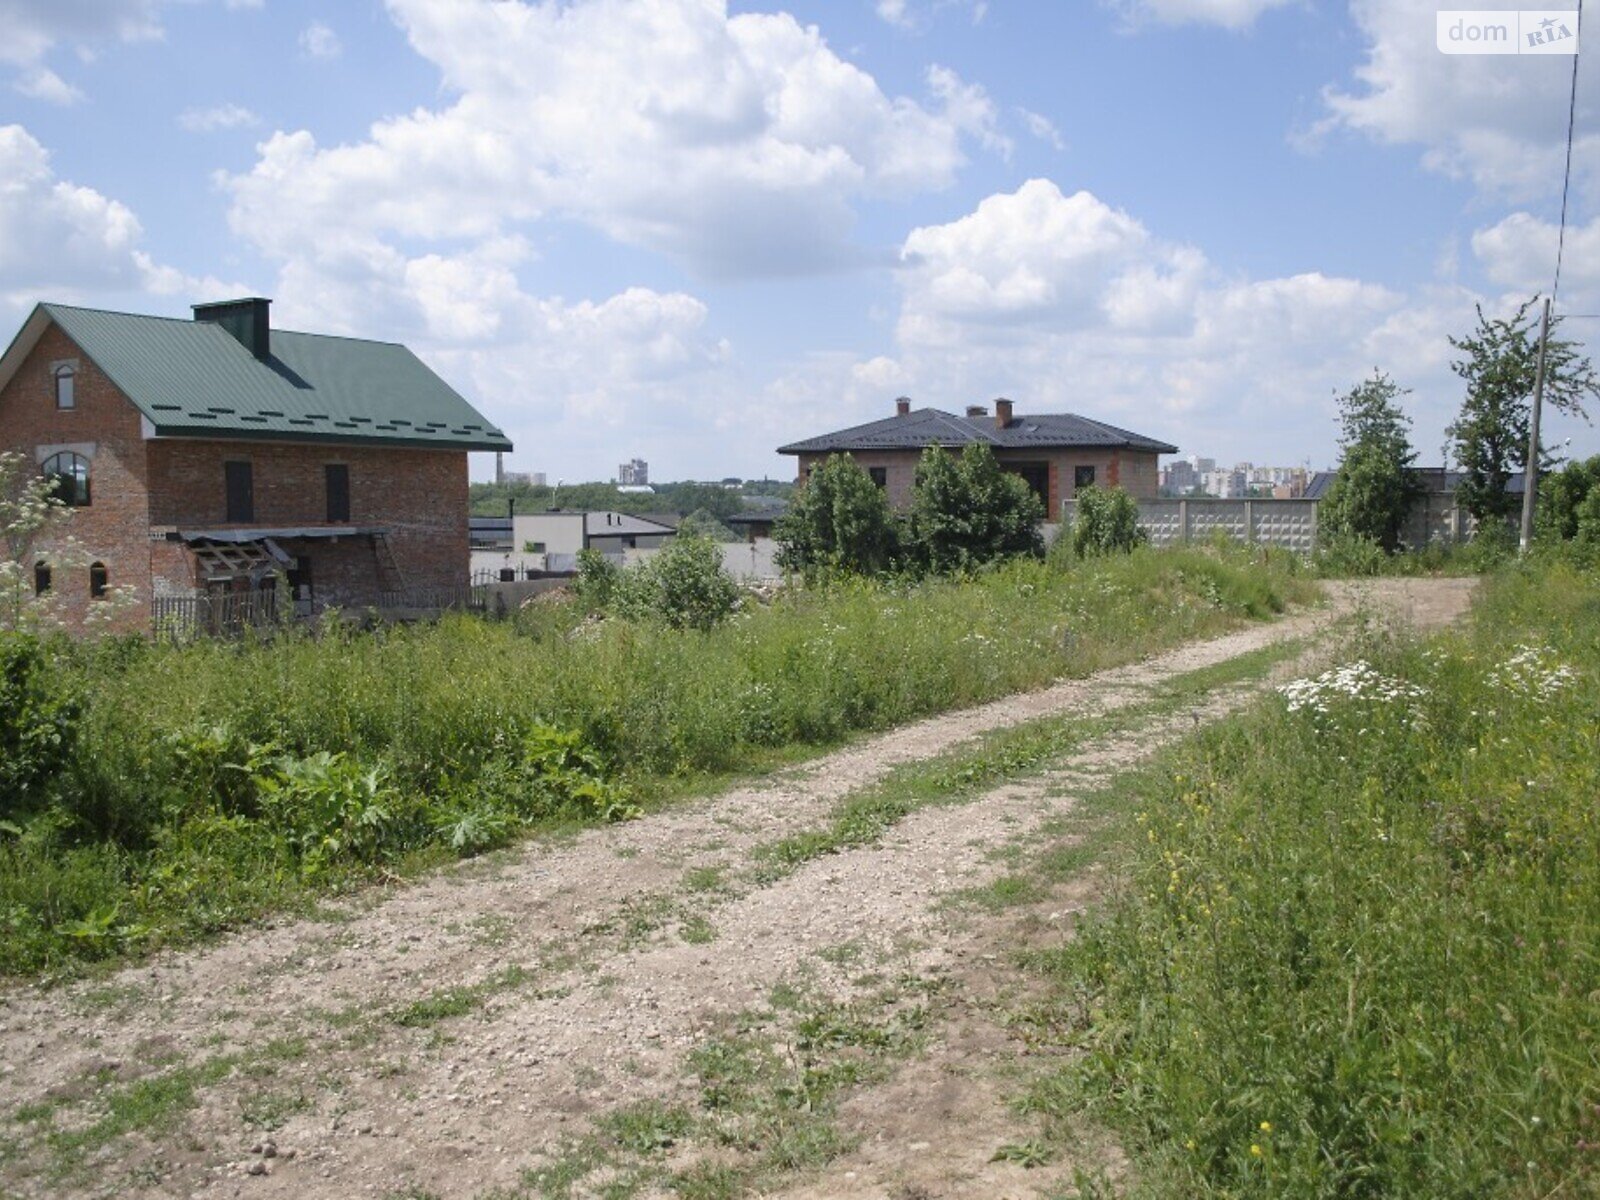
<point x="194" y="379"/>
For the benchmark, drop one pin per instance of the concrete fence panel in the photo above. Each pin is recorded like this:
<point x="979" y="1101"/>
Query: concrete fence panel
<point x="1288" y="523"/>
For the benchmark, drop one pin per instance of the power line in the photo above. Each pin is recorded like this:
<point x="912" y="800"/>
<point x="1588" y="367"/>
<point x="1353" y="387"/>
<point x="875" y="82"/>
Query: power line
<point x="1566" y="180"/>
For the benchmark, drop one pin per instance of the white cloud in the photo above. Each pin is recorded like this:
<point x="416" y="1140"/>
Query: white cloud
<point x="1229" y="14"/>
<point x="59" y="240"/>
<point x="571" y="382"/>
<point x="1066" y="303"/>
<point x="222" y="116"/>
<point x="894" y="12"/>
<point x="41" y="83"/>
<point x="1519" y="253"/>
<point x="319" y="41"/>
<point x="911" y="16"/>
<point x="738" y="145"/>
<point x="1041" y="127"/>
<point x="1497" y="120"/>
<point x="33" y="28"/>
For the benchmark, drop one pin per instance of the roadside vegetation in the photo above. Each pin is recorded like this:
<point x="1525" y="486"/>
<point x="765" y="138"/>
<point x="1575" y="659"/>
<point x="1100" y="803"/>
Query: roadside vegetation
<point x="1353" y="953"/>
<point x="160" y="792"/>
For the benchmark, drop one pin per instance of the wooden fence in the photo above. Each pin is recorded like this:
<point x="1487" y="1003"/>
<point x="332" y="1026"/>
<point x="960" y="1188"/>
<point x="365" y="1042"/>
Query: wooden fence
<point x="180" y="618"/>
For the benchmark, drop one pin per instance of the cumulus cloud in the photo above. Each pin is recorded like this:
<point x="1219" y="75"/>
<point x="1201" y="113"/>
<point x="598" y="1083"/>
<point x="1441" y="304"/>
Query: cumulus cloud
<point x="910" y="15"/>
<point x="1499" y="121"/>
<point x="1519" y="253"/>
<point x="221" y="116"/>
<point x="738" y="145"/>
<point x="1065" y="302"/>
<point x="1229" y="14"/>
<point x="63" y="241"/>
<point x="33" y="28"/>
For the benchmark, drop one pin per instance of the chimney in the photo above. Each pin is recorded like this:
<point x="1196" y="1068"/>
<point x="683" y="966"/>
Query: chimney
<point x="902" y="406"/>
<point x="977" y="410"/>
<point x="1002" y="413"/>
<point x="245" y="319"/>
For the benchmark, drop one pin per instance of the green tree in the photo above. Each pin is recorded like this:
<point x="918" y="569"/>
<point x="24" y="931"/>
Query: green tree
<point x="1374" y="487"/>
<point x="1490" y="436"/>
<point x="1563" y="495"/>
<point x="839" y="521"/>
<point x="966" y="512"/>
<point x="1105" y="521"/>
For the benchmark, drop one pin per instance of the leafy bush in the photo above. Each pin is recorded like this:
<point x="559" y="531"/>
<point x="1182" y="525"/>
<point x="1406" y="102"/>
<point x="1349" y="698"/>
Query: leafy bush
<point x="839" y="522"/>
<point x="1345" y="554"/>
<point x="1106" y="521"/>
<point x="39" y="711"/>
<point x="596" y="584"/>
<point x="966" y="512"/>
<point x="683" y="585"/>
<point x="1566" y="498"/>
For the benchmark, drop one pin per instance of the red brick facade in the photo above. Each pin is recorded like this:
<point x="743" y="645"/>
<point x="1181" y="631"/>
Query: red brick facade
<point x="144" y="490"/>
<point x="1131" y="469"/>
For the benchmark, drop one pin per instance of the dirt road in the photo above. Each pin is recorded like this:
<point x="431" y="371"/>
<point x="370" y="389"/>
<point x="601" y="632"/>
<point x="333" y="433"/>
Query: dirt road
<point x="445" y="1038"/>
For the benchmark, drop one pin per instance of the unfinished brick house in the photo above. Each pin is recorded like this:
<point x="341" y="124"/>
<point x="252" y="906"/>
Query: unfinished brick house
<point x="1057" y="453"/>
<point x="217" y="457"/>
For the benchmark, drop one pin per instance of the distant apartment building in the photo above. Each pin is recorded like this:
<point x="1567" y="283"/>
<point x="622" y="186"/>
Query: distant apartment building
<point x="635" y="473"/>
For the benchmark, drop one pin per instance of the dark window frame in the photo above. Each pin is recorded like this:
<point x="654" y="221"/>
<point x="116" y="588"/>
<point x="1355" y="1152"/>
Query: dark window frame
<point x="1082" y="477"/>
<point x="99" y="580"/>
<point x="239" y="491"/>
<point x="336" y="486"/>
<point x="41" y="577"/>
<point x="65" y="376"/>
<point x="879" y="476"/>
<point x="71" y="488"/>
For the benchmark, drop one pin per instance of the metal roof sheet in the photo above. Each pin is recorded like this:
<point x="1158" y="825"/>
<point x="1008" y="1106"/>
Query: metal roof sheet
<point x="931" y="426"/>
<point x="194" y="379"/>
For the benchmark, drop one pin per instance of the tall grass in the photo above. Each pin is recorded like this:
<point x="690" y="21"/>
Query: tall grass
<point x="1358" y="953"/>
<point x="196" y="768"/>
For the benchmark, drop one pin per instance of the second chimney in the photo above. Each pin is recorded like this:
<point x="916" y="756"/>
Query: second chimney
<point x="902" y="406"/>
<point x="245" y="319"/>
<point x="1002" y="413"/>
<point x="977" y="410"/>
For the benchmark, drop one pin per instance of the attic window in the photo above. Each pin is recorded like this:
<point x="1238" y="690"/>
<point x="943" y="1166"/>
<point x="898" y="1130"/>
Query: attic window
<point x="66" y="393"/>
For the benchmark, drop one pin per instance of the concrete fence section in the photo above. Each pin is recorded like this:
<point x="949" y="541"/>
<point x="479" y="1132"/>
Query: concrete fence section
<point x="1288" y="523"/>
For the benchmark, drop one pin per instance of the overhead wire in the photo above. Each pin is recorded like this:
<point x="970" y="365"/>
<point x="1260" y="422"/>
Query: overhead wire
<point x="1566" y="179"/>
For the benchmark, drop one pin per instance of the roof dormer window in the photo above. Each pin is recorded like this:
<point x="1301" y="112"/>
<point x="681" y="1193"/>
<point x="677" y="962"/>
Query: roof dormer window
<point x="66" y="394"/>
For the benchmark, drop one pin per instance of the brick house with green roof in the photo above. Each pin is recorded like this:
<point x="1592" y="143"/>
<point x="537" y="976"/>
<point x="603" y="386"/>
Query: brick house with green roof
<point x="218" y="456"/>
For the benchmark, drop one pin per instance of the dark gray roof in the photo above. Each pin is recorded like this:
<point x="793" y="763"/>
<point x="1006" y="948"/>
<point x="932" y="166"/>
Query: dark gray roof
<point x="1434" y="480"/>
<point x="194" y="379"/>
<point x="933" y="427"/>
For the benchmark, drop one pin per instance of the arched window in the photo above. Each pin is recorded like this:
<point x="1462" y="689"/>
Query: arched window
<point x="70" y="472"/>
<point x="41" y="577"/>
<point x="66" y="395"/>
<point x="98" y="580"/>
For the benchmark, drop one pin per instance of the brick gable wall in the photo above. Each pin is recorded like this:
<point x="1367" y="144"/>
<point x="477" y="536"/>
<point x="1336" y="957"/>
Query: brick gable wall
<point x="114" y="528"/>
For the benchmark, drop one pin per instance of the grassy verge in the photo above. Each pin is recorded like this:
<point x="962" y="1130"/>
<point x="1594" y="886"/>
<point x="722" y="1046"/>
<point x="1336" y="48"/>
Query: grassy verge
<point x="1355" y="952"/>
<point x="198" y="787"/>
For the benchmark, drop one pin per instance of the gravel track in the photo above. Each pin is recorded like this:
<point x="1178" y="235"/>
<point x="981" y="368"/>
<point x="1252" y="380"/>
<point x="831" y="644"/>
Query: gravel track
<point x="614" y="983"/>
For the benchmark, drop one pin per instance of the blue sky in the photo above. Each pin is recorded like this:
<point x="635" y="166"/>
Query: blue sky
<point x="690" y="230"/>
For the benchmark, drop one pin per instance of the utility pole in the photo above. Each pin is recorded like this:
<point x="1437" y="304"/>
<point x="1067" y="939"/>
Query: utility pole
<point x="1530" y="475"/>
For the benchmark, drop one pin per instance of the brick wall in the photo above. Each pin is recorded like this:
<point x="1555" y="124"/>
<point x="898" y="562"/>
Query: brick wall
<point x="420" y="496"/>
<point x="105" y="429"/>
